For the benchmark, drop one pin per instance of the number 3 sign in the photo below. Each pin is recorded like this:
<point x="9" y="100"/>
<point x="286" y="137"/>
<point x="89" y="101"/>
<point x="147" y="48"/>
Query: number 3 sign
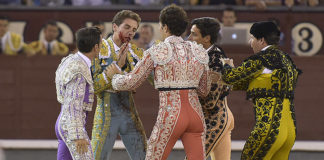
<point x="307" y="39"/>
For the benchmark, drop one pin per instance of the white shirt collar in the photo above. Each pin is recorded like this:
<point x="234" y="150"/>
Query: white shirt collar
<point x="173" y="38"/>
<point x="85" y="58"/>
<point x="115" y="46"/>
<point x="168" y="38"/>
<point x="210" y="48"/>
<point x="263" y="49"/>
<point x="46" y="43"/>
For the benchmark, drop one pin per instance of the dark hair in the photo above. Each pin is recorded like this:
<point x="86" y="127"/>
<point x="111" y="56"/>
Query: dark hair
<point x="229" y="9"/>
<point x="148" y="26"/>
<point x="175" y="18"/>
<point x="51" y="22"/>
<point x="275" y="21"/>
<point x="272" y="39"/>
<point x="122" y="15"/>
<point x="87" y="38"/>
<point x="208" y="26"/>
<point x="4" y="18"/>
<point x="267" y="30"/>
<point x="96" y="23"/>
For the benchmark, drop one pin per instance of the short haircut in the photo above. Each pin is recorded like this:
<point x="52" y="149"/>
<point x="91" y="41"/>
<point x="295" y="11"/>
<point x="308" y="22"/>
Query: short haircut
<point x="124" y="14"/>
<point x="146" y="25"/>
<point x="208" y="26"/>
<point x="267" y="30"/>
<point x="272" y="38"/>
<point x="87" y="38"/>
<point x="51" y="23"/>
<point x="275" y="21"/>
<point x="175" y="18"/>
<point x="96" y="23"/>
<point x="229" y="9"/>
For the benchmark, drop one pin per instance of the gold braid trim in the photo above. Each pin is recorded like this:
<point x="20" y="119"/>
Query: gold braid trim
<point x="101" y="124"/>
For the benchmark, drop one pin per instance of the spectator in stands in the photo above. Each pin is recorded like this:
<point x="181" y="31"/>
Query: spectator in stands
<point x="310" y="3"/>
<point x="263" y="4"/>
<point x="48" y="2"/>
<point x="50" y="44"/>
<point x="313" y="3"/>
<point x="146" y="33"/>
<point x="146" y="2"/>
<point x="167" y="2"/>
<point x="89" y="2"/>
<point x="216" y="2"/>
<point x="10" y="2"/>
<point x="229" y="17"/>
<point x="101" y="26"/>
<point x="259" y="4"/>
<point x="11" y="43"/>
<point x="122" y="1"/>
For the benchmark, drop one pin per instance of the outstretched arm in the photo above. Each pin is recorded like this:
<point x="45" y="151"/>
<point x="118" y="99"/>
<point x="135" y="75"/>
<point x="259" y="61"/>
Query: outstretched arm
<point x="136" y="77"/>
<point x="240" y="76"/>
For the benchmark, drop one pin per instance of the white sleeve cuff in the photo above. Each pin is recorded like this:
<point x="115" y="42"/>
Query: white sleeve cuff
<point x="114" y="81"/>
<point x="266" y="71"/>
<point x="114" y="62"/>
<point x="105" y="77"/>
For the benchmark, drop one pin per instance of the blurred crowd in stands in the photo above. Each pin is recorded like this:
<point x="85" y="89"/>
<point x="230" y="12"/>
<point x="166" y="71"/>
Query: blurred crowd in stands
<point x="13" y="44"/>
<point x="51" y="44"/>
<point x="260" y="4"/>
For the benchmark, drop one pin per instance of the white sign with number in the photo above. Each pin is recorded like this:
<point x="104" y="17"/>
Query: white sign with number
<point x="307" y="39"/>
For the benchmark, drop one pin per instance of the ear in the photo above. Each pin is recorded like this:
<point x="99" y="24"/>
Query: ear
<point x="95" y="48"/>
<point x="207" y="39"/>
<point x="263" y="41"/>
<point x="98" y="47"/>
<point x="115" y="27"/>
<point x="165" y="28"/>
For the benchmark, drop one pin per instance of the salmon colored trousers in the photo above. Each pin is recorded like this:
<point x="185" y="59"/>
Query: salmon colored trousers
<point x="189" y="127"/>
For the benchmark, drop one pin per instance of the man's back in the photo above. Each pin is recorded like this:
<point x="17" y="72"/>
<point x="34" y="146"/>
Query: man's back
<point x="181" y="61"/>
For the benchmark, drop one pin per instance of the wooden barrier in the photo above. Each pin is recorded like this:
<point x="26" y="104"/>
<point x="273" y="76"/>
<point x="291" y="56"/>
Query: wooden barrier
<point x="28" y="107"/>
